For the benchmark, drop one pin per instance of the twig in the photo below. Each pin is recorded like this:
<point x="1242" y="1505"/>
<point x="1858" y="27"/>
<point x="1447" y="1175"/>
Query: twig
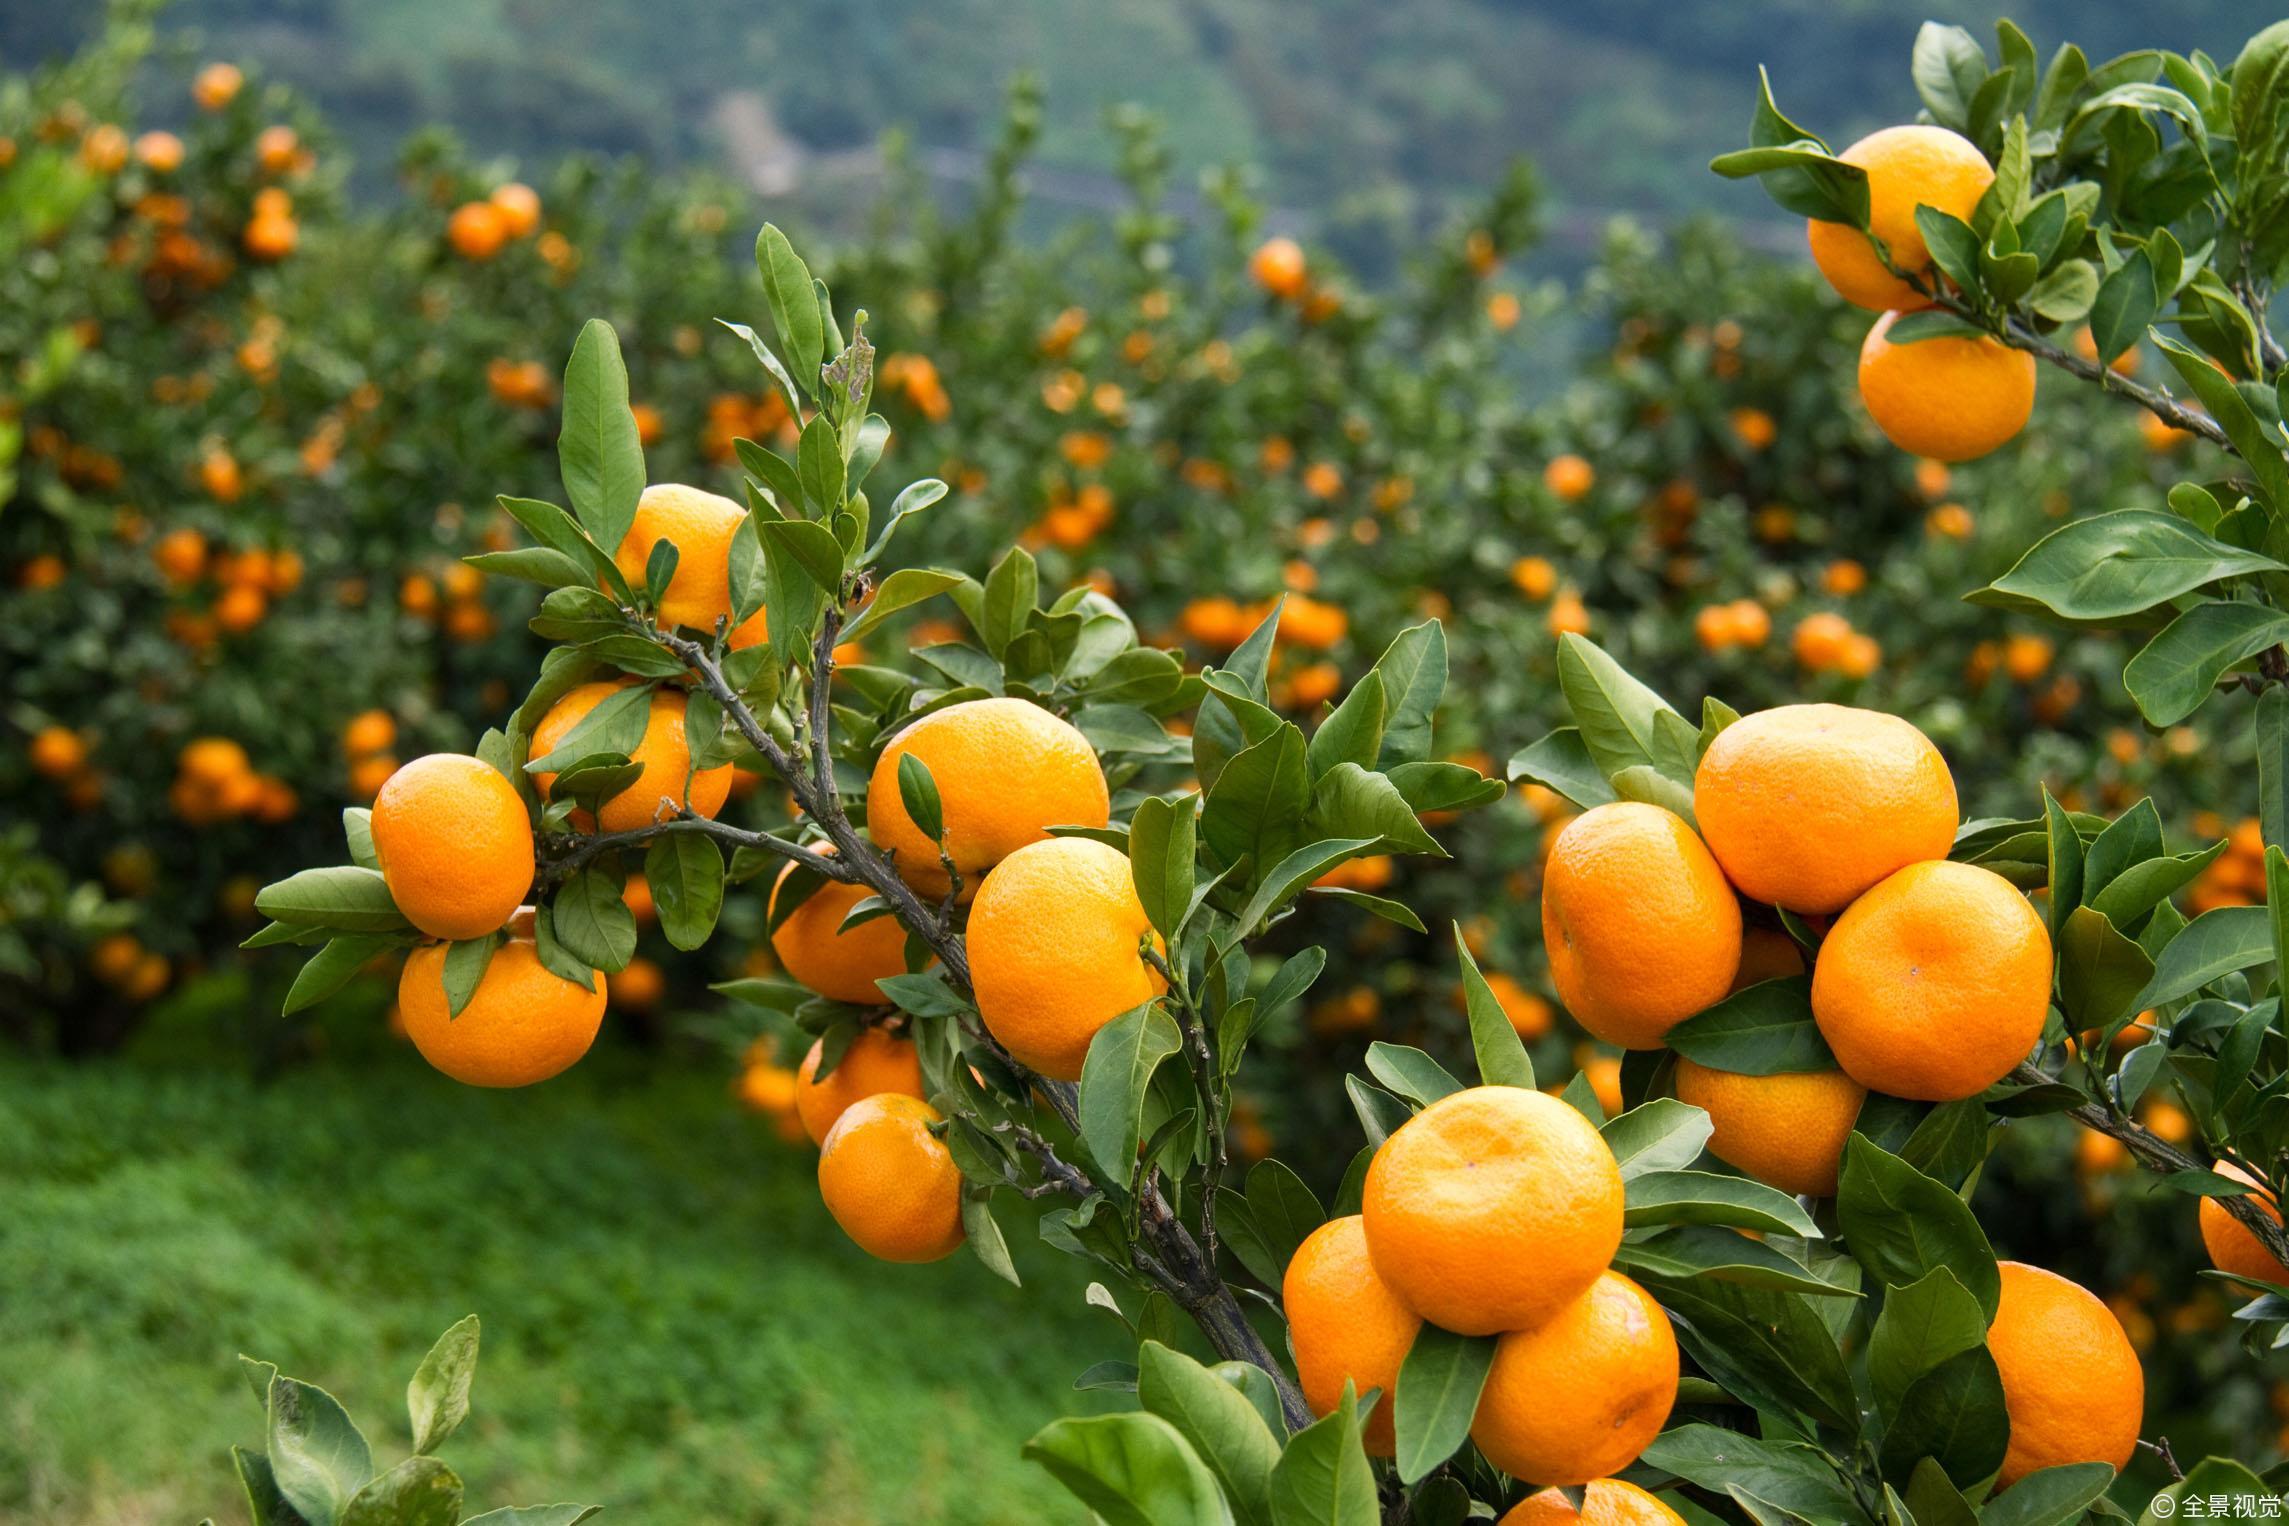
<point x="562" y="865"/>
<point x="2159" y="1155"/>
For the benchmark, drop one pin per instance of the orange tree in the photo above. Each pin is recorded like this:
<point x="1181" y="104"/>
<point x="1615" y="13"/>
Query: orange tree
<point x="1077" y="849"/>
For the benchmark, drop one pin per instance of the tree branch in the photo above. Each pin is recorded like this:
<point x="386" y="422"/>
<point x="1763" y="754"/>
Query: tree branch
<point x="2159" y="1155"/>
<point x="562" y="865"/>
<point x="1211" y="1098"/>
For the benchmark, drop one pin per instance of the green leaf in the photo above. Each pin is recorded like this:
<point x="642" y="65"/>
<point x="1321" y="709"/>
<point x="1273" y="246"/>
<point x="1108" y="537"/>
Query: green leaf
<point x="1794" y="1476"/>
<point x="358" y="833"/>
<point x="1766" y="1029"/>
<point x="1324" y="1478"/>
<point x="918" y="793"/>
<point x="1413" y="673"/>
<point x="1224" y="1428"/>
<point x="2066" y="293"/>
<point x="2049" y="1496"/>
<point x="1410" y="1072"/>
<point x="2176" y="671"/>
<point x="420" y="1491"/>
<point x="597" y="449"/>
<point x="819" y="466"/>
<point x="1353" y="732"/>
<point x="1501" y="1054"/>
<point x="615" y="724"/>
<point x="804" y="544"/>
<point x="559" y="532"/>
<point x="1705" y="1197"/>
<point x="2100" y="972"/>
<point x="1114" y="1079"/>
<point x="1012" y="590"/>
<point x="532" y="564"/>
<point x="2255" y="442"/>
<point x="1925" y="1323"/>
<point x="332" y="968"/>
<point x="902" y="590"/>
<point x="465" y="964"/>
<point x="317" y="1455"/>
<point x="1901" y="1224"/>
<point x="1254" y="810"/>
<point x="1437" y="1397"/>
<point x="1349" y="802"/>
<point x="264" y="1503"/>
<point x="1617" y="715"/>
<point x="1561" y="762"/>
<point x="2216" y="943"/>
<point x="2211" y="1477"/>
<point x="1131" y="1469"/>
<point x="2063" y="847"/>
<point x="1661" y="1135"/>
<point x="1953" y="1414"/>
<point x="1161" y="851"/>
<point x="1807" y="181"/>
<point x="1948" y="67"/>
<point x="984" y="1236"/>
<point x="347" y="899"/>
<point x="1291" y="874"/>
<point x="2113" y="566"/>
<point x="592" y="923"/>
<point x="437" y="1400"/>
<point x="2273" y="764"/>
<point x="794" y="306"/>
<point x="535" y="1515"/>
<point x="2124" y="307"/>
<point x="1685" y="1251"/>
<point x="685" y="873"/>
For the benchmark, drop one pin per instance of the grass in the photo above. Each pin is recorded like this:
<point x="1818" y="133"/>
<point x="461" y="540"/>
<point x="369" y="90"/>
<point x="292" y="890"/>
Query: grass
<point x="673" y="1327"/>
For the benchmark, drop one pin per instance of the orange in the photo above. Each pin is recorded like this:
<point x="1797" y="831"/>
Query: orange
<point x="369" y="731"/>
<point x="275" y="148"/>
<point x="1907" y="167"/>
<point x="525" y="1024"/>
<point x="876" y="1062"/>
<point x="1054" y="940"/>
<point x="890" y="1183"/>
<point x="181" y="555"/>
<point x="1569" y="477"/>
<point x="159" y="152"/>
<point x="1766" y="954"/>
<point x="1951" y="398"/>
<point x="2072" y="1385"/>
<point x="1641" y="928"/>
<point x="1935" y="983"/>
<point x="1786" y="1130"/>
<point x="213" y="761"/>
<point x="476" y="230"/>
<point x="843" y="966"/>
<point x="1806" y="806"/>
<point x="637" y="985"/>
<point x="1006" y="771"/>
<point x="1606" y="1502"/>
<point x="455" y="845"/>
<point x="1491" y="1209"/>
<point x="271" y="237"/>
<point x="700" y="525"/>
<point x="216" y="86"/>
<point x="519" y="206"/>
<point x="57" y="751"/>
<point x="1579" y="1395"/>
<point x="1343" y="1323"/>
<point x="2231" y="1246"/>
<point x="665" y="756"/>
<point x="1278" y="267"/>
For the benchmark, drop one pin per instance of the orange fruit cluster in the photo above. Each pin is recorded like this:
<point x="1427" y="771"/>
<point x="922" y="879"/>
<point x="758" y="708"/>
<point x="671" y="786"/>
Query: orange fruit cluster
<point x="479" y="230"/>
<point x="1494" y="1211"/>
<point x="215" y="782"/>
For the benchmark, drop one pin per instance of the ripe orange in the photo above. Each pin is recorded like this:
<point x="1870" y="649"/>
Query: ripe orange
<point x="1579" y="1395"/>
<point x="890" y="1183"/>
<point x="1491" y="1209"/>
<point x="700" y="525"/>
<point x="1784" y="1130"/>
<point x="159" y="152"/>
<point x="1569" y="477"/>
<point x="455" y="845"/>
<point x="1907" y="167"/>
<point x="841" y="965"/>
<point x="876" y="1062"/>
<point x="636" y="986"/>
<point x="665" y="756"/>
<point x="2072" y="1384"/>
<point x="2233" y="1248"/>
<point x="1806" y="806"/>
<point x="519" y="206"/>
<point x="1344" y="1323"/>
<point x="1054" y="940"/>
<point x="1766" y="954"/>
<point x="56" y="751"/>
<point x="1641" y="929"/>
<point x="476" y="230"/>
<point x="1278" y="267"/>
<point x="525" y="1024"/>
<point x="1950" y="398"/>
<point x="369" y="731"/>
<point x="1006" y="771"/>
<point x="1606" y="1502"/>
<point x="1935" y="983"/>
<point x="216" y="86"/>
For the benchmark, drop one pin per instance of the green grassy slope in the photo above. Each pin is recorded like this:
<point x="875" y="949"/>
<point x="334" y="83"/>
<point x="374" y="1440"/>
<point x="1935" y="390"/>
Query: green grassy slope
<point x="673" y="1326"/>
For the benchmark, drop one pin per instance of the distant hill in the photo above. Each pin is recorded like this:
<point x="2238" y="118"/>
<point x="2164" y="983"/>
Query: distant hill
<point x="1364" y="115"/>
